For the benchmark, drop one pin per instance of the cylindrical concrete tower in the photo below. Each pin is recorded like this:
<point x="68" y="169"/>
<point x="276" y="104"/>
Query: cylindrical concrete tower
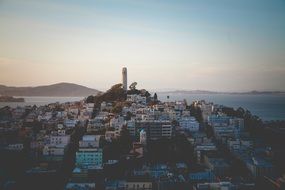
<point x="125" y="78"/>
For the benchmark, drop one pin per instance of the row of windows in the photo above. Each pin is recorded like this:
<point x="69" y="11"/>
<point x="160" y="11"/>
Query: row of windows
<point x="138" y="186"/>
<point x="88" y="155"/>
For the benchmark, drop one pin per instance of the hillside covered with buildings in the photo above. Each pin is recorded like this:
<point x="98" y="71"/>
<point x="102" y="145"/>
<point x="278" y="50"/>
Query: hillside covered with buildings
<point x="127" y="138"/>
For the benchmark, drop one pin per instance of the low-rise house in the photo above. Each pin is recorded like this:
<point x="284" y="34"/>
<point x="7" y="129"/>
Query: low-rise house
<point x="95" y="124"/>
<point x="54" y="150"/>
<point x="135" y="98"/>
<point x="31" y="117"/>
<point x="59" y="139"/>
<point x="45" y="117"/>
<point x="110" y="135"/>
<point x="218" y="165"/>
<point x="155" y="172"/>
<point x="203" y="149"/>
<point x="237" y="122"/>
<point x="218" y="185"/>
<point x="15" y="147"/>
<point x="219" y="120"/>
<point x="37" y="145"/>
<point x="73" y="111"/>
<point x="92" y="141"/>
<point x="180" y="106"/>
<point x="18" y="112"/>
<point x="199" y="138"/>
<point x="131" y="126"/>
<point x="259" y="166"/>
<point x="138" y="183"/>
<point x="70" y="123"/>
<point x="204" y="176"/>
<point x="234" y="144"/>
<point x="115" y="185"/>
<point x="206" y="109"/>
<point x="189" y="124"/>
<point x="80" y="186"/>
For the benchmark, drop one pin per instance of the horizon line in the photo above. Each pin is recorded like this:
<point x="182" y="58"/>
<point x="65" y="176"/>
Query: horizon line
<point x="162" y="90"/>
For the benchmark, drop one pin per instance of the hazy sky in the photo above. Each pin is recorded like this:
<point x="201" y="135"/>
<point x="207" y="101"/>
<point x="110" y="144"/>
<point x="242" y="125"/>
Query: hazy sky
<point x="223" y="45"/>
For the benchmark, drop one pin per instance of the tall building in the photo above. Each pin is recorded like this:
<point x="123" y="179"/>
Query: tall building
<point x="125" y="79"/>
<point x="88" y="154"/>
<point x="89" y="157"/>
<point x="155" y="129"/>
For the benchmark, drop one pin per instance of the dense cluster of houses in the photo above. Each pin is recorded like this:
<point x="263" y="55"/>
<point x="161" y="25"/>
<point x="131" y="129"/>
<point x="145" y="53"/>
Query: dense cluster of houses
<point x="51" y="131"/>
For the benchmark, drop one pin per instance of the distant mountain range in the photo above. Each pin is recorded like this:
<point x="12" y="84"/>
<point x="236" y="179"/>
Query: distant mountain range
<point x="75" y="90"/>
<point x="59" y="89"/>
<point x="254" y="92"/>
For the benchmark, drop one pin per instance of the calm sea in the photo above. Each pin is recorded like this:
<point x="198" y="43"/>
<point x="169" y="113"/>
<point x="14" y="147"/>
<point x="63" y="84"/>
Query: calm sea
<point x="39" y="101"/>
<point x="267" y="107"/>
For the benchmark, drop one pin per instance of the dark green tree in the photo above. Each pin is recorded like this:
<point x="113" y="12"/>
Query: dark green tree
<point x="125" y="140"/>
<point x="133" y="86"/>
<point x="196" y="112"/>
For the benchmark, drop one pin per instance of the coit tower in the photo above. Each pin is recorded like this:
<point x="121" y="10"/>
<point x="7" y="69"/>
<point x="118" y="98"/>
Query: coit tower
<point x="125" y="78"/>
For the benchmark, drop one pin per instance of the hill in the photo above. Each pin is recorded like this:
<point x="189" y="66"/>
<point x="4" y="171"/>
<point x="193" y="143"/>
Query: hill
<point x="59" y="89"/>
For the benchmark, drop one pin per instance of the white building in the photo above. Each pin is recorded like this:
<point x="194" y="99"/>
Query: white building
<point x="234" y="144"/>
<point x="189" y="124"/>
<point x="59" y="139"/>
<point x="237" y="122"/>
<point x="54" y="150"/>
<point x="180" y="105"/>
<point x="77" y="186"/>
<point x="61" y="132"/>
<point x="117" y="122"/>
<point x="131" y="126"/>
<point x="135" y="98"/>
<point x="95" y="124"/>
<point x="90" y="107"/>
<point x="110" y="135"/>
<point x="73" y="111"/>
<point x="138" y="185"/>
<point x="47" y="116"/>
<point x="90" y="141"/>
<point x="172" y="114"/>
<point x="18" y="112"/>
<point x="70" y="123"/>
<point x="15" y="147"/>
<point x="37" y="144"/>
<point x="143" y="138"/>
<point x="207" y="109"/>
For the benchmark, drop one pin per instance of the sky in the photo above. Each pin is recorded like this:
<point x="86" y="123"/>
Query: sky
<point x="219" y="45"/>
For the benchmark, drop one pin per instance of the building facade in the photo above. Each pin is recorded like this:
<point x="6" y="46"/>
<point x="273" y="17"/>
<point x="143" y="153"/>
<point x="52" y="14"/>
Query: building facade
<point x="89" y="157"/>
